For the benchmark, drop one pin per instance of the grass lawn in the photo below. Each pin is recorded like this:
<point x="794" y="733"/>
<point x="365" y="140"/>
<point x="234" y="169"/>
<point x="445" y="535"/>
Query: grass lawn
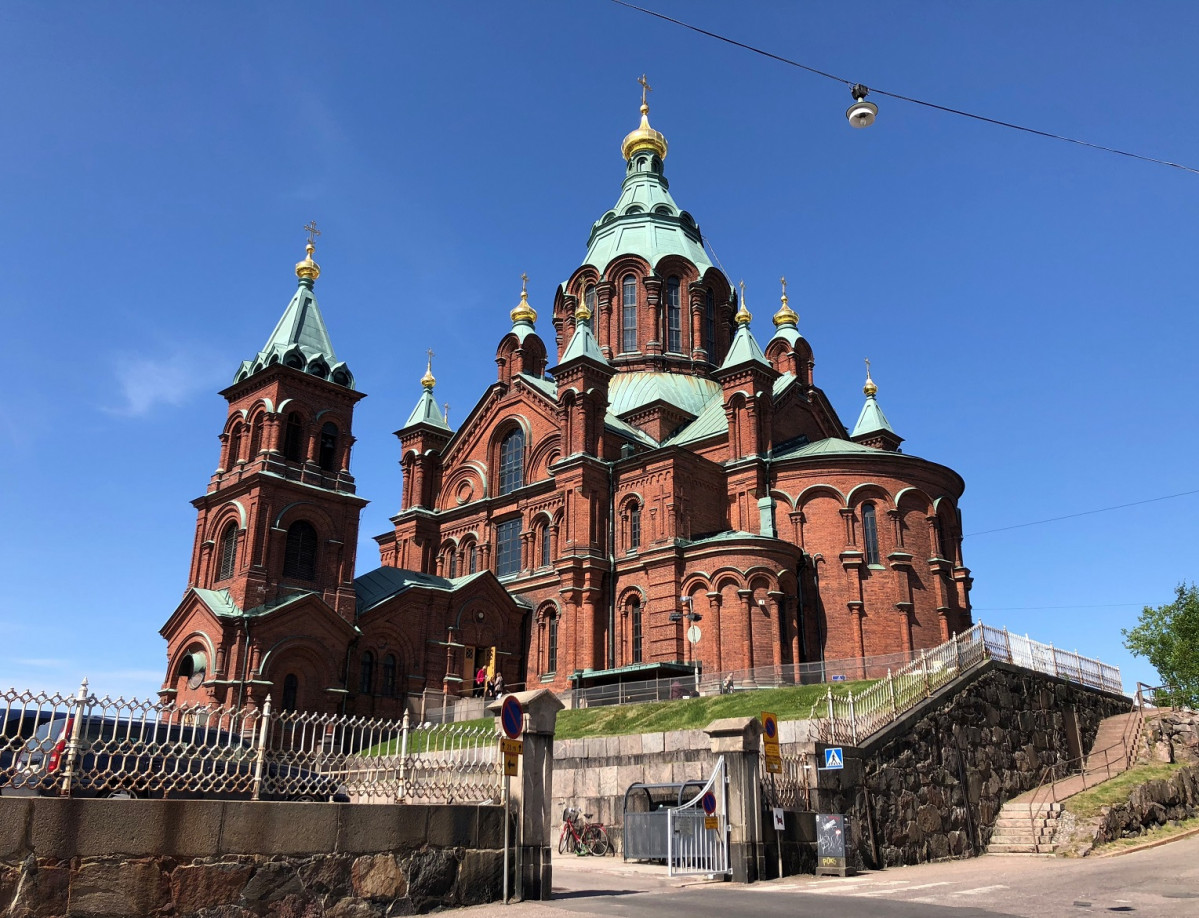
<point x="1088" y="803"/>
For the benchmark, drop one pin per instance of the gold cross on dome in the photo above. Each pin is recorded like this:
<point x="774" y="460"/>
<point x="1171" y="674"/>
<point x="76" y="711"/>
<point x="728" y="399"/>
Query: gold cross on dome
<point x="446" y="412"/>
<point x="645" y="87"/>
<point x="524" y="283"/>
<point x="783" y="281"/>
<point x="430" y="353"/>
<point x="312" y="231"/>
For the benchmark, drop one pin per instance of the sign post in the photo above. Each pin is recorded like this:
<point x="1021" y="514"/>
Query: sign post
<point x="512" y="720"/>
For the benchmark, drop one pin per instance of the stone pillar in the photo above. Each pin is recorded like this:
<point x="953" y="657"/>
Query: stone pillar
<point x="533" y="791"/>
<point x="737" y="739"/>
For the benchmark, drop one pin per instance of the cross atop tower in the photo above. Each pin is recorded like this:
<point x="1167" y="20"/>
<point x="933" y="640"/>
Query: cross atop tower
<point x="524" y="283"/>
<point x="645" y="87"/>
<point x="783" y="281"/>
<point x="312" y="231"/>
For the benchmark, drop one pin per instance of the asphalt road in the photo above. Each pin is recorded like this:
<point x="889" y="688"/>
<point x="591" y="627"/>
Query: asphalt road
<point x="1161" y="882"/>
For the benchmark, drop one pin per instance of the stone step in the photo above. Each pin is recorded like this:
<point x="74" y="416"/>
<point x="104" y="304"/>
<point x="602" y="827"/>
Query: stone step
<point x="1022" y="820"/>
<point x="1016" y="850"/>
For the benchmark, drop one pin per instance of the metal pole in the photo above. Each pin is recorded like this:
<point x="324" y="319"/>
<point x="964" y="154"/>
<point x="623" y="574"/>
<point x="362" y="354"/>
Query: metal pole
<point x="507" y="792"/>
<point x="261" y="754"/>
<point x="72" y="749"/>
<point x="891" y="691"/>
<point x="402" y="791"/>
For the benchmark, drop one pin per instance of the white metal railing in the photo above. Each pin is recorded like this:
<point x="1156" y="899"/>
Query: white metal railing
<point x="851" y="718"/>
<point x="87" y="746"/>
<point x="788" y="788"/>
<point x="697" y="841"/>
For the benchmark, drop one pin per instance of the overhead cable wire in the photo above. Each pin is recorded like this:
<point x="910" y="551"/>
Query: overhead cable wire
<point x="902" y="98"/>
<point x="1070" y="516"/>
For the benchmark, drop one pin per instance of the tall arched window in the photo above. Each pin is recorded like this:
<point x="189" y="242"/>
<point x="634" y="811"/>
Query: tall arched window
<point x="228" y="552"/>
<point x="512" y="461"/>
<point x="545" y="546"/>
<point x="256" y="438"/>
<point x="507" y="547"/>
<point x="635" y="629"/>
<point x="628" y="314"/>
<point x="710" y="324"/>
<point x="453" y="564"/>
<point x="328" y="449"/>
<point x="474" y="558"/>
<point x="551" y="645"/>
<point x="589" y="298"/>
<point x="291" y="688"/>
<point x="299" y="556"/>
<point x="234" y="446"/>
<point x="870" y="533"/>
<point x="634" y="525"/>
<point x="293" y="438"/>
<point x="674" y="319"/>
<point x="389" y="675"/>
<point x="938" y="540"/>
<point x="367" y="676"/>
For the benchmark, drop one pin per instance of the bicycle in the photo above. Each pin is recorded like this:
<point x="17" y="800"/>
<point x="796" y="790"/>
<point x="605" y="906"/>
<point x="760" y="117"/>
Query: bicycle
<point x="584" y="837"/>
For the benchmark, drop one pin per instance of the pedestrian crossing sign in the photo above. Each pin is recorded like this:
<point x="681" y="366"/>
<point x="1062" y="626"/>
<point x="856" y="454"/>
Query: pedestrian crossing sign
<point x="833" y="757"/>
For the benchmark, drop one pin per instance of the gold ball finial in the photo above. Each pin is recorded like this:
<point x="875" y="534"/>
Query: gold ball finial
<point x="523" y="311"/>
<point x="786" y="315"/>
<point x="645" y="137"/>
<point x="743" y="316"/>
<point x="870" y="389"/>
<point x="309" y="269"/>
<point x="428" y="380"/>
<point x="582" y="313"/>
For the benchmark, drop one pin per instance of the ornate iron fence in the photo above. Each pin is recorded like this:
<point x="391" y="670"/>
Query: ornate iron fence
<point x="87" y="746"/>
<point x="851" y="718"/>
<point x="788" y="789"/>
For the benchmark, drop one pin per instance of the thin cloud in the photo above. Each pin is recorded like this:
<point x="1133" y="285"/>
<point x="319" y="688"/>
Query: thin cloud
<point x="147" y="382"/>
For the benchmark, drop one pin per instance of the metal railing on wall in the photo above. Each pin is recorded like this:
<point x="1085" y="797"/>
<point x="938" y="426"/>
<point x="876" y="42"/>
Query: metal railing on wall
<point x="82" y="745"/>
<point x="850" y="718"/>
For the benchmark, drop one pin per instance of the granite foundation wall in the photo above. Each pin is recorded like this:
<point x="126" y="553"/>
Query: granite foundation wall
<point x="1155" y="803"/>
<point x="931" y="785"/>
<point x="225" y="859"/>
<point x="1173" y="735"/>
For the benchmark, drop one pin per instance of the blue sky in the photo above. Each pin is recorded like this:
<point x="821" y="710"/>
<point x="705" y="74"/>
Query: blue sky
<point x="1028" y="306"/>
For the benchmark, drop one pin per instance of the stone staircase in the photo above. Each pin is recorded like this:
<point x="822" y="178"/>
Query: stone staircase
<point x="1025" y="828"/>
<point x="1027" y="824"/>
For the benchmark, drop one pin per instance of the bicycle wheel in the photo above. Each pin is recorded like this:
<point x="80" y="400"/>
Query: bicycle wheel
<point x="564" y="840"/>
<point x="595" y="839"/>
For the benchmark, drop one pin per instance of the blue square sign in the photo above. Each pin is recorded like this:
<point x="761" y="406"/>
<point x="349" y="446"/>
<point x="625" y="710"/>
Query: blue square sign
<point x="833" y="758"/>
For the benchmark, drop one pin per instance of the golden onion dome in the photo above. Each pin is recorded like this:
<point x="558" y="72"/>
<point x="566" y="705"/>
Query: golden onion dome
<point x="645" y="137"/>
<point x="743" y="316"/>
<point x="308" y="269"/>
<point x="870" y="389"/>
<point x="786" y="315"/>
<point x="523" y="311"/>
<point x="428" y="380"/>
<point x="582" y="313"/>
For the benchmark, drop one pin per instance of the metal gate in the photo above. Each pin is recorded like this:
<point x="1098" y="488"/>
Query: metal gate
<point x="697" y="833"/>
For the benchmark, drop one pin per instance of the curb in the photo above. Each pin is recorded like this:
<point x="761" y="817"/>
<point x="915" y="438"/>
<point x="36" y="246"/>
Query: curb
<point x="1156" y="843"/>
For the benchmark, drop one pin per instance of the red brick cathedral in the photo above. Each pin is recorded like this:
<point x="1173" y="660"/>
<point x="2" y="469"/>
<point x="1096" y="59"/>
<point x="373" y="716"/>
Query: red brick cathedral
<point x="648" y="465"/>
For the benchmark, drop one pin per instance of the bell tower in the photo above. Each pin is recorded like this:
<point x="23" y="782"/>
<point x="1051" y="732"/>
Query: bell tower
<point x="280" y="516"/>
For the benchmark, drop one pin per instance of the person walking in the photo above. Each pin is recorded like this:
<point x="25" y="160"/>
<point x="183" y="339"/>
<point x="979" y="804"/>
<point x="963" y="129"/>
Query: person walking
<point x="480" y="681"/>
<point x="498" y="685"/>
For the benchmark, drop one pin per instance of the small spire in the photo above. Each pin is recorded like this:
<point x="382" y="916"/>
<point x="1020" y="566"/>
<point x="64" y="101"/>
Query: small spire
<point x="743" y="316"/>
<point x="645" y="137"/>
<point x="523" y="311"/>
<point x="786" y="315"/>
<point x="870" y="389"/>
<point x="428" y="381"/>
<point x="446" y="412"/>
<point x="582" y="313"/>
<point x="308" y="269"/>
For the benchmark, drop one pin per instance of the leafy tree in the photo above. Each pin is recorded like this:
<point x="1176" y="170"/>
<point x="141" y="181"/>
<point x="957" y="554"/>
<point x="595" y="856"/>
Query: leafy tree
<point x="1168" y="636"/>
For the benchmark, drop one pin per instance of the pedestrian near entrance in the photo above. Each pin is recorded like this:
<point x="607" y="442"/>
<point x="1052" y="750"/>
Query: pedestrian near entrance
<point x="480" y="682"/>
<point x="676" y="689"/>
<point x="498" y="687"/>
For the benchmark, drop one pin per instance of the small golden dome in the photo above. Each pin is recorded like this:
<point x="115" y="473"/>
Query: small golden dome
<point x="308" y="269"/>
<point x="743" y="316"/>
<point x="786" y="315"/>
<point x="523" y="311"/>
<point x="870" y="389"/>
<point x="645" y="137"/>
<point x="582" y="313"/>
<point x="428" y="381"/>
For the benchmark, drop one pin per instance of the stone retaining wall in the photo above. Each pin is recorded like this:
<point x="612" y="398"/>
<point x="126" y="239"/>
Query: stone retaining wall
<point x="1152" y="804"/>
<point x="1173" y="735"/>
<point x="225" y="859"/>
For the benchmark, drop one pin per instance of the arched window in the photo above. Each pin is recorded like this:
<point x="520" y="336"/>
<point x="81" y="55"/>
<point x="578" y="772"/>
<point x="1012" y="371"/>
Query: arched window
<point x="293" y="438"/>
<point x="507" y="547"/>
<point x="870" y="533"/>
<point x="710" y="323"/>
<point x="234" y="446"/>
<point x="453" y="564"/>
<point x="635" y="628"/>
<point x="545" y="546"/>
<point x="939" y="546"/>
<point x="674" y="320"/>
<point x="291" y="688"/>
<point x="328" y="450"/>
<point x="474" y="558"/>
<point x="389" y="675"/>
<point x="551" y="645"/>
<point x="367" y="677"/>
<point x="299" y="557"/>
<point x="634" y="525"/>
<point x="628" y="314"/>
<point x="256" y="438"/>
<point x="589" y="298"/>
<point x="512" y="461"/>
<point x="228" y="552"/>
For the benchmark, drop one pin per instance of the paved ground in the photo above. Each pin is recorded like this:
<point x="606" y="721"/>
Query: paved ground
<point x="1161" y="882"/>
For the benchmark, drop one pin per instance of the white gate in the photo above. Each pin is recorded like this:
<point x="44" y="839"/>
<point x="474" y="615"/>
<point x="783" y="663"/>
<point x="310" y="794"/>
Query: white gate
<point x="697" y="833"/>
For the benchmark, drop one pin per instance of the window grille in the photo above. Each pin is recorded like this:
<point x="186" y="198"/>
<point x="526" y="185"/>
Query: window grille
<point x="228" y="552"/>
<point x="507" y="547"/>
<point x="299" y="556"/>
<point x="234" y="446"/>
<point x="293" y="438"/>
<point x="551" y="651"/>
<point x="512" y="461"/>
<point x="628" y="323"/>
<point x="291" y="687"/>
<point x="389" y="675"/>
<point x="453" y="564"/>
<point x="328" y="452"/>
<point x="635" y="526"/>
<point x="674" y="330"/>
<point x="635" y="614"/>
<point x="546" y="560"/>
<point x="368" y="673"/>
<point x="870" y="533"/>
<point x="474" y="558"/>
<point x="589" y="299"/>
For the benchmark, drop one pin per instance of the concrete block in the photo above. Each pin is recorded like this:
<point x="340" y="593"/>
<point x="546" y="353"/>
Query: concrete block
<point x="370" y="829"/>
<point x="66" y="827"/>
<point x="454" y="826"/>
<point x="607" y="781"/>
<point x="630" y="745"/>
<point x="491" y="826"/>
<point x="652" y="743"/>
<point x="281" y="828"/>
<point x="15" y="816"/>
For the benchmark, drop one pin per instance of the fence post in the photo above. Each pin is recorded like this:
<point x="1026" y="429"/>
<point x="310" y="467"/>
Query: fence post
<point x="260" y="756"/>
<point x="1007" y="645"/>
<point x="853" y="720"/>
<point x="72" y="750"/>
<point x="924" y="669"/>
<point x="402" y="790"/>
<point x="1053" y="657"/>
<point x="957" y="652"/>
<point x="891" y="692"/>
